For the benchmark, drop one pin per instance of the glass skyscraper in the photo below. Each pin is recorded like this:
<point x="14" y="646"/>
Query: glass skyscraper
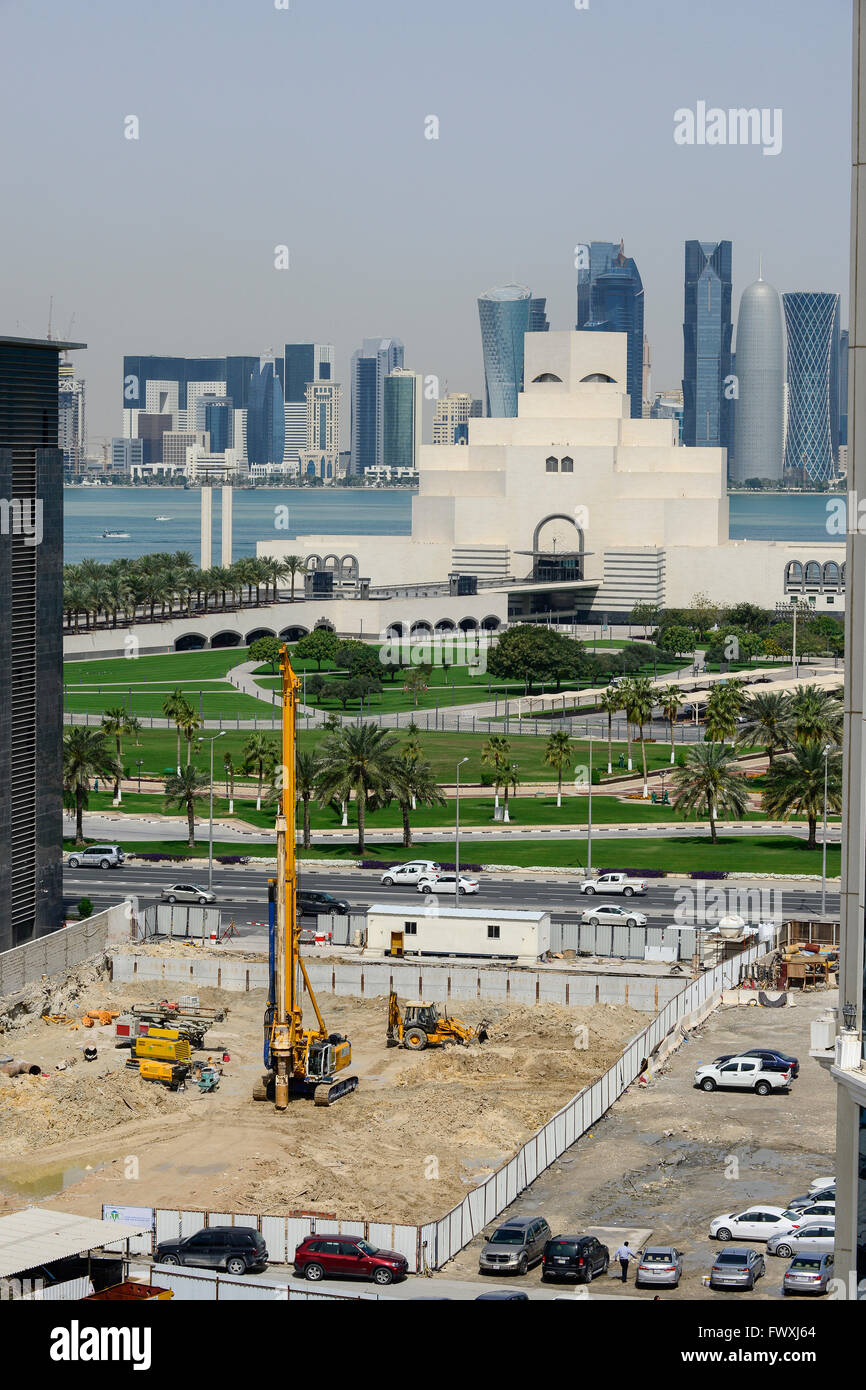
<point x="505" y="316"/>
<point x="610" y="299"/>
<point x="759" y="408"/>
<point x="812" y="321"/>
<point x="707" y="331"/>
<point x="371" y="364"/>
<point x="402" y="419"/>
<point x="266" y="421"/>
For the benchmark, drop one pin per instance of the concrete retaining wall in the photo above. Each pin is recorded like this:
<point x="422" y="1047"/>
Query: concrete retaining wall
<point x="61" y="950"/>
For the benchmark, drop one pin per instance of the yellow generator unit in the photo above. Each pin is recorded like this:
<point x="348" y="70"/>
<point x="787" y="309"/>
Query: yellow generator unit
<point x="165" y="1049"/>
<point x="171" y="1074"/>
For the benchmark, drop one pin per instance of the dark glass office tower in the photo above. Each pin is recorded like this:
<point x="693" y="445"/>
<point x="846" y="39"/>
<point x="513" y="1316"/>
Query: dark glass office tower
<point x="538" y="320"/>
<point x="31" y="642"/>
<point x="266" y="419"/>
<point x="843" y="387"/>
<point x="707" y="330"/>
<point x="812" y="321"/>
<point x="371" y="364"/>
<point x="616" y="305"/>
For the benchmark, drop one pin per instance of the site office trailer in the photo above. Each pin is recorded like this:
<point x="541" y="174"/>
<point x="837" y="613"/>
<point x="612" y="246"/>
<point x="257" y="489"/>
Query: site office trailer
<point x="440" y="929"/>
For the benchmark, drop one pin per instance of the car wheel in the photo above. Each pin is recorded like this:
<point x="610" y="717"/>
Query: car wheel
<point x="708" y="1084"/>
<point x="461" y="891"/>
<point x="236" y="1265"/>
<point x="105" y="863"/>
<point x="751" y="1285"/>
<point x="605" y="1267"/>
<point x="589" y="1275"/>
<point x="628" y="892"/>
<point x="388" y="882"/>
<point x="723" y="1234"/>
<point x="169" y="1260"/>
<point x="314" y="1272"/>
<point x="784" y="1251"/>
<point x="593" y="921"/>
<point x="415" y="1039"/>
<point x="426" y="889"/>
<point x="630" y="922"/>
<point x="522" y="1265"/>
<point x="589" y="890"/>
<point x="202" y="902"/>
<point x="383" y="1276"/>
<point x="73" y="863"/>
<point x="763" y="1088"/>
<point x="172" y="898"/>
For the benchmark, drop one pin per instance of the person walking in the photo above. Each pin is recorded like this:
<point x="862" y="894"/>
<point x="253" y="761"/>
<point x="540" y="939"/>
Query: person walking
<point x="624" y="1254"/>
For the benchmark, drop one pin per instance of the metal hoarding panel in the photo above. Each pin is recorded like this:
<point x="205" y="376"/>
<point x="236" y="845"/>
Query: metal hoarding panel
<point x="619" y="941"/>
<point x="297" y="1229"/>
<point x="274" y="1232"/>
<point x="167" y="1225"/>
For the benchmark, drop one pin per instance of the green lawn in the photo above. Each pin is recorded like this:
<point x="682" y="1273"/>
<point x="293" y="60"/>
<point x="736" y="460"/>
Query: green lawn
<point x="170" y="668"/>
<point x="214" y="700"/>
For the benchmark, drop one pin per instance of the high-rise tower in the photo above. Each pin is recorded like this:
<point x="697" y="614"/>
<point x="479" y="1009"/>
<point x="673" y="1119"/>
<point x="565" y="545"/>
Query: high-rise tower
<point x="707" y="333"/>
<point x="610" y="299"/>
<point x="505" y="317"/>
<point x="812" y="321"/>
<point x="373" y="361"/>
<point x="759" y="407"/>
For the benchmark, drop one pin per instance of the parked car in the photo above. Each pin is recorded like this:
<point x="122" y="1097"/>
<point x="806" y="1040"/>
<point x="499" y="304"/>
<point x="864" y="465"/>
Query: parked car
<point x="659" y="1265"/>
<point x="818" y="1184"/>
<point x="321" y="905"/>
<point x="612" y="912"/>
<point x="187" y="893"/>
<point x="500" y="1294"/>
<point x="236" y="1249"/>
<point x="574" y="1257"/>
<point x="815" y="1211"/>
<point x="773" y="1061"/>
<point x="514" y="1246"/>
<point x="409" y="873"/>
<point x="808" y="1274"/>
<point x="613" y="883"/>
<point x="798" y="1204"/>
<point x="737" y="1269"/>
<point x="741" y="1073"/>
<point x="804" y="1237"/>
<point x="97" y="857"/>
<point x="753" y="1223"/>
<point x="321" y="1257"/>
<point x="446" y="883"/>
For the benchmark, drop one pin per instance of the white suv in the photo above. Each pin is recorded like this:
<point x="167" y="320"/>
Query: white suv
<point x="409" y="873"/>
<point x="742" y="1073"/>
<point x="96" y="857"/>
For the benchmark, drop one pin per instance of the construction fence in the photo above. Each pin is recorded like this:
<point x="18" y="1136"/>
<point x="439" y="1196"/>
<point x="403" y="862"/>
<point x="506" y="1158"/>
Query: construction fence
<point x="430" y="1246"/>
<point x="61" y="950"/>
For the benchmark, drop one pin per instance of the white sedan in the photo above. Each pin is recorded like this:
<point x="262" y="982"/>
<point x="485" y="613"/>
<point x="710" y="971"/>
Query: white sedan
<point x="612" y="912"/>
<point x="446" y="883"/>
<point x="755" y="1223"/>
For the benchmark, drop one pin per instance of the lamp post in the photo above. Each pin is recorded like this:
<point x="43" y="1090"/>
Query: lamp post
<point x="139" y="764"/>
<point x="457" y="837"/>
<point x="212" y="740"/>
<point x="790" y="610"/>
<point x="589" y="811"/>
<point x="827" y="751"/>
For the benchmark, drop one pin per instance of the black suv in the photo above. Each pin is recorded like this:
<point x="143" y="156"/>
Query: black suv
<point x="321" y="905"/>
<point x="236" y="1249"/>
<point x="574" y="1257"/>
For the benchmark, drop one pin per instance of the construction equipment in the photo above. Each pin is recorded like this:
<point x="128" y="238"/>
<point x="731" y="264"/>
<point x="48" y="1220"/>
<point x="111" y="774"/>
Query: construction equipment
<point x="170" y="1074"/>
<point x="299" y="1061"/>
<point x="162" y="1045"/>
<point x="189" y="1019"/>
<point x="421" y="1025"/>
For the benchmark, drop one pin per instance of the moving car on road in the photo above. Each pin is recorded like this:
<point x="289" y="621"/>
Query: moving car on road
<point x="612" y="912"/>
<point x="803" y="1238"/>
<point x="96" y="857"/>
<point x="660" y="1265"/>
<point x="321" y="905"/>
<point x="574" y="1257"/>
<point x="613" y="883"/>
<point x="737" y="1269"/>
<point x="235" y="1249"/>
<point x="515" y="1246"/>
<point x="446" y="883"/>
<point x="753" y="1223"/>
<point x="741" y="1073"/>
<point x="321" y="1257"/>
<point x="808" y="1274"/>
<point x="409" y="873"/>
<point x="187" y="893"/>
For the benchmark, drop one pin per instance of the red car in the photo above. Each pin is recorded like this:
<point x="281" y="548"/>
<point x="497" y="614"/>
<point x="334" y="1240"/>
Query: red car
<point x="320" y="1257"/>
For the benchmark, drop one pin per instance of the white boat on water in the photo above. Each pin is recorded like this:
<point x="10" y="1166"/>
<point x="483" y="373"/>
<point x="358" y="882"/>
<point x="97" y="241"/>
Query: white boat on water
<point x="162" y="518"/>
<point x="115" y="535"/>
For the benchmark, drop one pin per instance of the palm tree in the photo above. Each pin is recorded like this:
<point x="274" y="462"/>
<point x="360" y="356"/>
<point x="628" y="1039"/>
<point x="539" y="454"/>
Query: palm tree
<point x="795" y="784"/>
<point x="510" y="782"/>
<point x="260" y="755"/>
<point x="290" y="567"/>
<point x="815" y="715"/>
<point x="306" y="781"/>
<point x="412" y="751"/>
<point x="670" y="700"/>
<point x="413" y="781"/>
<point x="495" y="751"/>
<point x="724" y="706"/>
<point x="611" y="702"/>
<point x="86" y="756"/>
<point x="115" y="723"/>
<point x="767" y="721"/>
<point x="557" y="754"/>
<point x="184" y="789"/>
<point x="174" y="706"/>
<point x="640" y="699"/>
<point x="229" y="765"/>
<point x="708" y="779"/>
<point x="188" y="722"/>
<point x="357" y="758"/>
<point x="624" y="690"/>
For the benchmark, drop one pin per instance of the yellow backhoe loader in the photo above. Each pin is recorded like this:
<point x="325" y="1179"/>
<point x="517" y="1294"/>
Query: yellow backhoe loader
<point x="421" y="1025"/>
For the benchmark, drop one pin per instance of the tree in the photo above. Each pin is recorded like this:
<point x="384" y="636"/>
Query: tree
<point x="229" y="765"/>
<point x="306" y="777"/>
<point x="557" y="754"/>
<point x="639" y="701"/>
<point x="185" y="789"/>
<point x="357" y="758"/>
<point x="767" y="721"/>
<point x="532" y="654"/>
<point x="670" y="700"/>
<point x="724" y="706"/>
<point x="815" y="715"/>
<point x="416" y="681"/>
<point x="319" y="645"/>
<point x="86" y="756"/>
<point x="115" y="723"/>
<point x="413" y="782"/>
<point x="510" y="783"/>
<point x="260" y="756"/>
<point x="677" y="640"/>
<point x="610" y="702"/>
<point x="189" y="723"/>
<point x="495" y="752"/>
<point x="625" y="694"/>
<point x="174" y="706"/>
<point x="795" y="785"/>
<point x="645" y="615"/>
<point x="290" y="567"/>
<point x="359" y="659"/>
<point x="707" y="778"/>
<point x="703" y="613"/>
<point x="267" y="649"/>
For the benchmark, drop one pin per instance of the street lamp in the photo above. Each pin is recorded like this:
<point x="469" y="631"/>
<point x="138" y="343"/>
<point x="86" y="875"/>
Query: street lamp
<point x="827" y="751"/>
<point x="589" y="811"/>
<point x="788" y="610"/>
<point x="457" y="837"/>
<point x="212" y="740"/>
<point x="139" y="764"/>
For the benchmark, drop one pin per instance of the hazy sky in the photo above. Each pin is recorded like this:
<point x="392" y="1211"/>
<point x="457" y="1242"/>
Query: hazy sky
<point x="306" y="127"/>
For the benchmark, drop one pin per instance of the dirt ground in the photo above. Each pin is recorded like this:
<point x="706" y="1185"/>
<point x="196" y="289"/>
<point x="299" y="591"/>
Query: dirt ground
<point x="669" y="1158"/>
<point x="408" y="1144"/>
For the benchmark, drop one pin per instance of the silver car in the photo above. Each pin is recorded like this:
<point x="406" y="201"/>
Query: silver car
<point x="187" y="893"/>
<point x="737" y="1269"/>
<point x="612" y="912"/>
<point x="515" y="1246"/>
<point x="661" y="1265"/>
<point x="804" y="1238"/>
<point x="808" y="1274"/>
<point x="96" y="857"/>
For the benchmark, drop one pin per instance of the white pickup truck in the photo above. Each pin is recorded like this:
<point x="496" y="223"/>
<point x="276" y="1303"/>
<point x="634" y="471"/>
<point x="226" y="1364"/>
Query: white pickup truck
<point x="614" y="883"/>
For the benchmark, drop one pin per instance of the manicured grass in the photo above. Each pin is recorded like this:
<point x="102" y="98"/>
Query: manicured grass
<point x="171" y="668"/>
<point x="215" y="700"/>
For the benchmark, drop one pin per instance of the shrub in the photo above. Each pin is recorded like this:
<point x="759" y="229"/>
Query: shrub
<point x="85" y="908"/>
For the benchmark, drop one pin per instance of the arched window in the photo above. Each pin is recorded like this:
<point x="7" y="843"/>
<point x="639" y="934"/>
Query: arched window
<point x="566" y="465"/>
<point x="598" y="376"/>
<point x="793" y="576"/>
<point x="552" y="464"/>
<point x="546" y="376"/>
<point x="831" y="575"/>
<point x="813" y="574"/>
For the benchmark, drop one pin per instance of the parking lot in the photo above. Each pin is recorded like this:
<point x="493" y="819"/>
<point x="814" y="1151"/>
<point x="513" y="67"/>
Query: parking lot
<point x="669" y="1158"/>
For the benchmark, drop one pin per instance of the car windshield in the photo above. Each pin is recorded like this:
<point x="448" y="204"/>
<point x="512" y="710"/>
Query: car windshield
<point x="658" y="1257"/>
<point x="507" y="1236"/>
<point x="732" y="1257"/>
<point x="803" y="1262"/>
<point x="366" y="1249"/>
